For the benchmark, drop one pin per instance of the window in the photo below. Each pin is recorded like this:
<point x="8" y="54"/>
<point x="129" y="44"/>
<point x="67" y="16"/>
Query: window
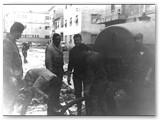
<point x="70" y="39"/>
<point x="112" y="8"/>
<point x="118" y="11"/>
<point x="29" y="36"/>
<point x="46" y="17"/>
<point x="62" y="22"/>
<point x="65" y="23"/>
<point x="77" y="9"/>
<point x="36" y="36"/>
<point x="132" y="10"/>
<point x="57" y="24"/>
<point x="66" y="38"/>
<point x="76" y="20"/>
<point x="46" y="36"/>
<point x="70" y="21"/>
<point x="46" y="27"/>
<point x="61" y="36"/>
<point x="94" y="18"/>
<point x="93" y="38"/>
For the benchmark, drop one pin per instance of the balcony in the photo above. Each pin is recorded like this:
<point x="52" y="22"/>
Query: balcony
<point x="113" y="17"/>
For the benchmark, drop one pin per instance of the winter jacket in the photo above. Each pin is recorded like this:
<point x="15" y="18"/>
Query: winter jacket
<point x="40" y="75"/>
<point x="12" y="63"/>
<point x="76" y="62"/>
<point x="54" y="56"/>
<point x="54" y="59"/>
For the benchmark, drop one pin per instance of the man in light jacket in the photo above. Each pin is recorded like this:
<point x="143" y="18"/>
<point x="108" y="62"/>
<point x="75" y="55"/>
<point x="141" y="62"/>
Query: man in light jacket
<point x="54" y="58"/>
<point x="12" y="66"/>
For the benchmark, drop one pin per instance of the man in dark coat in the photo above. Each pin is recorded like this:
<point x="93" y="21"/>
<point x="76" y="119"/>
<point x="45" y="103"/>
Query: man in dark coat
<point x="76" y="63"/>
<point x="141" y="75"/>
<point x="54" y="58"/>
<point x="12" y="66"/>
<point x="95" y="83"/>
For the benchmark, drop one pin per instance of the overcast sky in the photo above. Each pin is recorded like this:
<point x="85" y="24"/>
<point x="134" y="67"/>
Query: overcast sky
<point x="19" y="8"/>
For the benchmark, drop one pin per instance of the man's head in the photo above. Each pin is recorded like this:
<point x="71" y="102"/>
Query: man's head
<point x="77" y="39"/>
<point x="24" y="44"/>
<point x="84" y="48"/>
<point x="56" y="39"/>
<point x="138" y="38"/>
<point x="17" y="29"/>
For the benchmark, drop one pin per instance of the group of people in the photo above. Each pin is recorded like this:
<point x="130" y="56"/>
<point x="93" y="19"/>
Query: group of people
<point x="43" y="81"/>
<point x="87" y="66"/>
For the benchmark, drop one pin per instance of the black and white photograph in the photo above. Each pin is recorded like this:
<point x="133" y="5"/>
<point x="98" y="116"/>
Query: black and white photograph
<point x="79" y="59"/>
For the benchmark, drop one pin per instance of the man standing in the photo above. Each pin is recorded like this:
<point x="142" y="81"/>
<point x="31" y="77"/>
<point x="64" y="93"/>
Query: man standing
<point x="46" y="84"/>
<point x="76" y="63"/>
<point x="12" y="66"/>
<point x="141" y="73"/>
<point x="54" y="58"/>
<point x="95" y="82"/>
<point x="25" y="48"/>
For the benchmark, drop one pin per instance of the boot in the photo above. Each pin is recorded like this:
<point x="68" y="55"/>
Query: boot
<point x="96" y="109"/>
<point x="56" y="99"/>
<point x="79" y="109"/>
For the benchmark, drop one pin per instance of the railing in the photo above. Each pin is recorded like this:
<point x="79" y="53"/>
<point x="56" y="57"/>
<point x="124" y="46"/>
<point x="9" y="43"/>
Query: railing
<point x="112" y="15"/>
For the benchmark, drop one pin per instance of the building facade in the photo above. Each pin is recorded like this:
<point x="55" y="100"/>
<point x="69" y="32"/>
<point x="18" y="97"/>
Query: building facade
<point x="76" y="19"/>
<point x="56" y="17"/>
<point x="116" y="14"/>
<point x="36" y="25"/>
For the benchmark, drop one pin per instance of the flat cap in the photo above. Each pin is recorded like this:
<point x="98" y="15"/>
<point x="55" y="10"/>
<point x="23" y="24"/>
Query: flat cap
<point x="139" y="35"/>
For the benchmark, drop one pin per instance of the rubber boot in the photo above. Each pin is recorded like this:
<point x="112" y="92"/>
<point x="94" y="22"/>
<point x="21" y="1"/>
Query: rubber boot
<point x="79" y="109"/>
<point x="56" y="99"/>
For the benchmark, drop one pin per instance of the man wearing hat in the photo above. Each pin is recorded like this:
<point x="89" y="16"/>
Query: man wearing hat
<point x="12" y="66"/>
<point x="141" y="73"/>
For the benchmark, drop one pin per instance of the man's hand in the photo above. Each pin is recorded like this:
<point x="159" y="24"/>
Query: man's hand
<point x="69" y="81"/>
<point x="45" y="96"/>
<point x="86" y="93"/>
<point x="13" y="81"/>
<point x="21" y="83"/>
<point x="148" y="80"/>
<point x="69" y="78"/>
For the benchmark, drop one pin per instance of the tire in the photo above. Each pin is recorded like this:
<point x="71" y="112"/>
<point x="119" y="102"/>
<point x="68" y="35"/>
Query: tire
<point x="73" y="104"/>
